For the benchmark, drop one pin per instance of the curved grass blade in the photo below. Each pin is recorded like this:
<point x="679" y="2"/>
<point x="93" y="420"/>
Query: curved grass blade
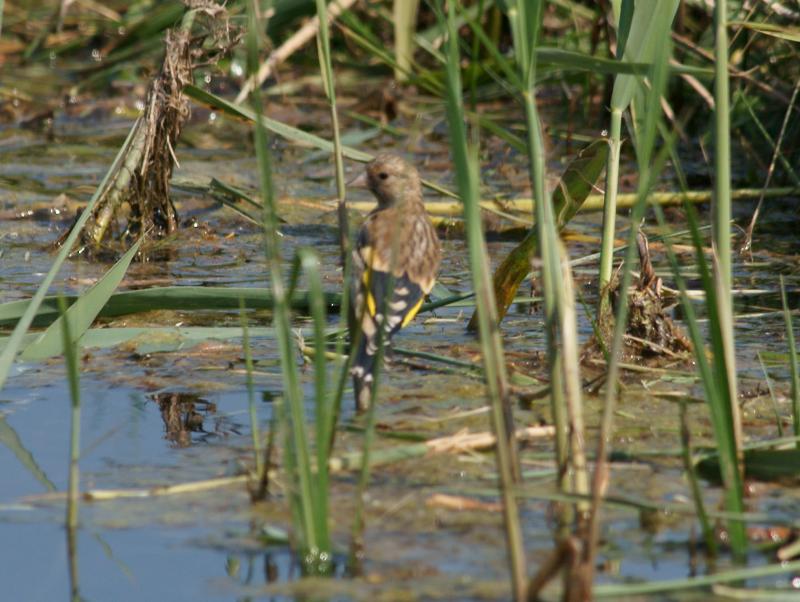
<point x="81" y="314"/>
<point x="793" y="364"/>
<point x="13" y="343"/>
<point x="466" y="164"/>
<point x="180" y="298"/>
<point x="620" y="591"/>
<point x="315" y="545"/>
<point x="286" y="131"/>
<point x="12" y="441"/>
<point x="577" y="182"/>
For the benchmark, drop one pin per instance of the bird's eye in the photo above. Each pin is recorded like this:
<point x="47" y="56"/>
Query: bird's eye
<point x="383" y="175"/>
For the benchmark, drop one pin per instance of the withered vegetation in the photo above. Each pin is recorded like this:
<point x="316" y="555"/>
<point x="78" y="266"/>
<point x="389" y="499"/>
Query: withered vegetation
<point x="139" y="191"/>
<point x="650" y="334"/>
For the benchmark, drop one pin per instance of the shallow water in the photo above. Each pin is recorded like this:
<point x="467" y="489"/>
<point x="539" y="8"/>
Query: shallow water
<point x="212" y="545"/>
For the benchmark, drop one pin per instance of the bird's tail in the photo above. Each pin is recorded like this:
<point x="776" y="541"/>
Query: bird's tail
<point x="363" y="372"/>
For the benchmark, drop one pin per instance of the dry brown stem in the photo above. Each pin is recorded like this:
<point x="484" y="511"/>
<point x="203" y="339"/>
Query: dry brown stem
<point x="142" y="182"/>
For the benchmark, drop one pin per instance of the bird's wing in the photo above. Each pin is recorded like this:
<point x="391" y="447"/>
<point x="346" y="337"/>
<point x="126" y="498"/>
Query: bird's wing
<point x="372" y="287"/>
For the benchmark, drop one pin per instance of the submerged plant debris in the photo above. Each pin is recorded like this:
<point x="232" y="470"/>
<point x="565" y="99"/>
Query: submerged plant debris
<point x="651" y="334"/>
<point x="142" y="181"/>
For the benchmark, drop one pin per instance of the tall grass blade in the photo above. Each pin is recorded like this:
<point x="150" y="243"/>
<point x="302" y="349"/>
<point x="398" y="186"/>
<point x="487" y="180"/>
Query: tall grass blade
<point x="525" y="19"/>
<point x="793" y="363"/>
<point x="314" y="543"/>
<point x="12" y="345"/>
<point x="73" y="370"/>
<point x="405" y="20"/>
<point x="326" y="68"/>
<point x="722" y="327"/>
<point x="647" y="172"/>
<point x="255" y="432"/>
<point x="80" y="314"/>
<point x="568" y="328"/>
<point x="329" y="402"/>
<point x="639" y="31"/>
<point x="716" y="391"/>
<point x="773" y="399"/>
<point x="466" y="167"/>
<point x="308" y="263"/>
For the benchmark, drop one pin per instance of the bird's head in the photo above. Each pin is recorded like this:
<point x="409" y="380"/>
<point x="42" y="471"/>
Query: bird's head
<point x="392" y="180"/>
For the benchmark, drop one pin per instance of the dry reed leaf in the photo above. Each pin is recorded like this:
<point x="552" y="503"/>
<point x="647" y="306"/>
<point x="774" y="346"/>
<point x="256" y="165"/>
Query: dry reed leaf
<point x="457" y="502"/>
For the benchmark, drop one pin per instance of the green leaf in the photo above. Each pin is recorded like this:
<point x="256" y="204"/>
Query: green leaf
<point x="168" y="298"/>
<point x="624" y="26"/>
<point x="12" y="344"/>
<point x="575" y="185"/>
<point x="759" y="464"/>
<point x="286" y="131"/>
<point x="82" y="313"/>
<point x="648" y="17"/>
<point x="791" y="34"/>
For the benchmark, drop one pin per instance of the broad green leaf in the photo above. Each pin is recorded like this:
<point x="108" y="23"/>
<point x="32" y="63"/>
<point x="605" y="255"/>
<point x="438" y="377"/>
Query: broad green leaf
<point x="759" y="464"/>
<point x="791" y="34"/>
<point x="168" y="298"/>
<point x="82" y="313"/>
<point x="648" y="17"/>
<point x="575" y="185"/>
<point x="12" y="344"/>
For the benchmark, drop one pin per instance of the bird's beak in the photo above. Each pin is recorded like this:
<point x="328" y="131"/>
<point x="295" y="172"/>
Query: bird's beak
<point x="360" y="181"/>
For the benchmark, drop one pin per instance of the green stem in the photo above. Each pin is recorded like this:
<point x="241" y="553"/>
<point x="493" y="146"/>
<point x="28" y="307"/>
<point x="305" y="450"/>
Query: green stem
<point x="610" y="209"/>
<point x="694" y="484"/>
<point x="316" y="544"/>
<point x="721" y="233"/>
<point x="793" y="368"/>
<point x="251" y="402"/>
<point x="465" y="161"/>
<point x="71" y="361"/>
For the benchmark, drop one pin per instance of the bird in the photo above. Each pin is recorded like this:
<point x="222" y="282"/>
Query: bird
<point x="396" y="246"/>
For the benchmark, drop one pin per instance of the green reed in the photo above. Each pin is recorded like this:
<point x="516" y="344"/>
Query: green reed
<point x="727" y="421"/>
<point x="793" y="363"/>
<point x="648" y="169"/>
<point x="73" y="378"/>
<point x="326" y="69"/>
<point x="255" y="431"/>
<point x="466" y="169"/>
<point x="308" y="488"/>
<point x="73" y="484"/>
<point x="637" y="35"/>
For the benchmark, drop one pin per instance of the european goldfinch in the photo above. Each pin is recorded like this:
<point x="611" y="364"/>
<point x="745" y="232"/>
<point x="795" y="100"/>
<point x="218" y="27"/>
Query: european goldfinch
<point x="397" y="237"/>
